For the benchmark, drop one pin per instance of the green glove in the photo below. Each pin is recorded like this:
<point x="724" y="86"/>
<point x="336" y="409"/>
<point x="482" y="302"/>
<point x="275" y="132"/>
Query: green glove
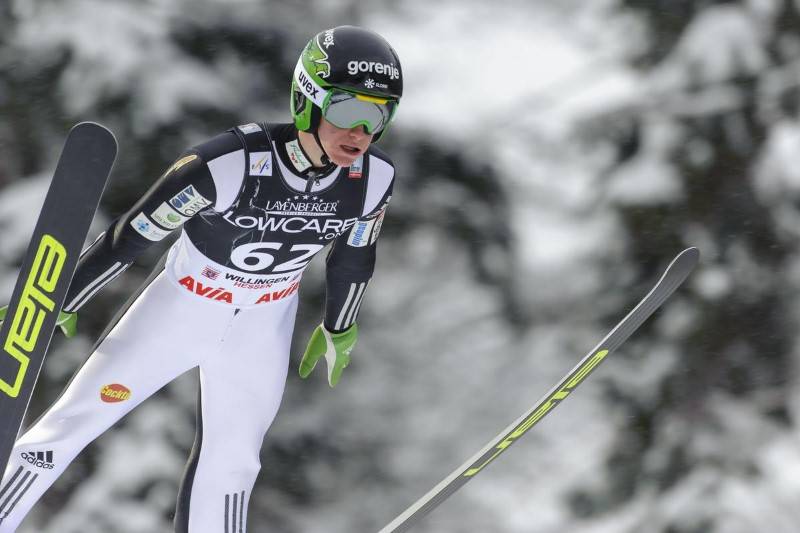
<point x="68" y="322"/>
<point x="336" y="348"/>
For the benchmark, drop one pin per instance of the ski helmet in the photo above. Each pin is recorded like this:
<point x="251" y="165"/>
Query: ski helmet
<point x="349" y="75"/>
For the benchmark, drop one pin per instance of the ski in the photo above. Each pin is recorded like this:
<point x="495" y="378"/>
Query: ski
<point x="673" y="277"/>
<point x="50" y="262"/>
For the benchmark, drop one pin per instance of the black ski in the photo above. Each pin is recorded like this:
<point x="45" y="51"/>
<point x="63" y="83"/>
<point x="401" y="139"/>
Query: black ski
<point x="674" y="276"/>
<point x="50" y="262"/>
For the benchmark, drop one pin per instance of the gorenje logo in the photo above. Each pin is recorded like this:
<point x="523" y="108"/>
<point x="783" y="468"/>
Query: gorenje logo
<point x="39" y="459"/>
<point x="354" y="67"/>
<point x="33" y="307"/>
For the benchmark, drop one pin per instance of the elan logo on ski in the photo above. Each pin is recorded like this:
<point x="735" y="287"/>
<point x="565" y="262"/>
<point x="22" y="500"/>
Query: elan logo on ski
<point x="55" y="245"/>
<point x="34" y="305"/>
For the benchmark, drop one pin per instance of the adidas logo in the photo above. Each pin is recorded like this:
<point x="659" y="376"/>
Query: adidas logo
<point x="39" y="459"/>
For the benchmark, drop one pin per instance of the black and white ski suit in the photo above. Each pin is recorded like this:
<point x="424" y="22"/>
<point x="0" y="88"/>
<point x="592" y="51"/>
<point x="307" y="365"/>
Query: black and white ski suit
<point x="224" y="299"/>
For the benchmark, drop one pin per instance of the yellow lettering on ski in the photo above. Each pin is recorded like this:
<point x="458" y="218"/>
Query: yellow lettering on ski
<point x="34" y="305"/>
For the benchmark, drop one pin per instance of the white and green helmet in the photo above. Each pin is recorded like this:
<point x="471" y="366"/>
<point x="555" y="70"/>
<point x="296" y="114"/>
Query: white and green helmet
<point x="349" y="75"/>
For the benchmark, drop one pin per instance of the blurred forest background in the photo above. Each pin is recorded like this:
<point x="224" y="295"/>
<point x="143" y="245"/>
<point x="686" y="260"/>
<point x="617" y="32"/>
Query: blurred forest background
<point x="552" y="158"/>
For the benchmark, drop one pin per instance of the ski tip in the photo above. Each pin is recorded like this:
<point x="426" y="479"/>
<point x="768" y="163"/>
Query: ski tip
<point x="93" y="128"/>
<point x="94" y="138"/>
<point x="692" y="253"/>
<point x="684" y="263"/>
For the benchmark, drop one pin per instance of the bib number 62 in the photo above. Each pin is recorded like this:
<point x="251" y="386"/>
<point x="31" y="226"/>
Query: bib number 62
<point x="258" y="256"/>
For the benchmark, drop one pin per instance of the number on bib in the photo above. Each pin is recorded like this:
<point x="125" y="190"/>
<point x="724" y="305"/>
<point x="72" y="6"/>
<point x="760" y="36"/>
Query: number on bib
<point x="258" y="256"/>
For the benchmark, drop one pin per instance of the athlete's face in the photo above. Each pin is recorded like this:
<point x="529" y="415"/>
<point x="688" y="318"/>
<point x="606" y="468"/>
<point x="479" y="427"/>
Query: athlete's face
<point x="342" y="145"/>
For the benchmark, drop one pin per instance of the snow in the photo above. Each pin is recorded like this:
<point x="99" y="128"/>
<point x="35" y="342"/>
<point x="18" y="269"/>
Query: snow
<point x="18" y="210"/>
<point x="19" y="207"/>
<point x="539" y="92"/>
<point x="121" y="50"/>
<point x="495" y="72"/>
<point x="720" y="42"/>
<point x="780" y="173"/>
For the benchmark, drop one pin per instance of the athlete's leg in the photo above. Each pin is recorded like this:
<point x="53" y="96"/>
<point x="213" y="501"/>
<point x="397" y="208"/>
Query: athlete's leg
<point x="146" y="349"/>
<point x="241" y="390"/>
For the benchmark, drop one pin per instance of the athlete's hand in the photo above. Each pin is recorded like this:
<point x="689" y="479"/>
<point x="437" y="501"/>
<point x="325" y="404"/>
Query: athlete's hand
<point x="336" y="348"/>
<point x="68" y="322"/>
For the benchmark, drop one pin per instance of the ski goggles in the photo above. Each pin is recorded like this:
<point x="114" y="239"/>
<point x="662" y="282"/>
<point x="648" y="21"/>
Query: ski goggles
<point x="348" y="110"/>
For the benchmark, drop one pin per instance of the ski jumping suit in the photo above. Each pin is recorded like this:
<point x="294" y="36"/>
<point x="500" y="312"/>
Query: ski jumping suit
<point x="253" y="214"/>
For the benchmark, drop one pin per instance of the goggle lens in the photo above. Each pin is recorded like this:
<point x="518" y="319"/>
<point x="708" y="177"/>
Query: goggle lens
<point x="348" y="110"/>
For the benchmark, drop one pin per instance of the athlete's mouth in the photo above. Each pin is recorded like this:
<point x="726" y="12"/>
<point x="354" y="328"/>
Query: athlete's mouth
<point x="350" y="149"/>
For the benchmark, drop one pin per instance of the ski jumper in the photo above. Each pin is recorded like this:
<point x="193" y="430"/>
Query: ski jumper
<point x="252" y="215"/>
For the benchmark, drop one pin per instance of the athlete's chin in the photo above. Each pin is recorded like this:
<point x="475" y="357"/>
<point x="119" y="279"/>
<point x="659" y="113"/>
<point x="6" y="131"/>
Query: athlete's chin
<point x="344" y="159"/>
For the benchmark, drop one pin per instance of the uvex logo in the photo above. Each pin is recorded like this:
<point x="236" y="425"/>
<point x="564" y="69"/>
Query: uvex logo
<point x="115" y="393"/>
<point x="308" y="86"/>
<point x="327" y="42"/>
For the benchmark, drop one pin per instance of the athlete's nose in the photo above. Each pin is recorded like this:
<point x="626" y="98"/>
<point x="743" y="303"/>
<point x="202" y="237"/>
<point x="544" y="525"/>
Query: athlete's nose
<point x="358" y="132"/>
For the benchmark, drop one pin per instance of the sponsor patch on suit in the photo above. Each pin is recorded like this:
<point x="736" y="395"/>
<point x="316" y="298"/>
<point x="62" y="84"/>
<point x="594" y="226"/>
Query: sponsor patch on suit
<point x="377" y="229"/>
<point x="167" y="217"/>
<point x="261" y="163"/>
<point x="189" y="201"/>
<point x="148" y="229"/>
<point x="360" y="233"/>
<point x="249" y="128"/>
<point x="356" y="168"/>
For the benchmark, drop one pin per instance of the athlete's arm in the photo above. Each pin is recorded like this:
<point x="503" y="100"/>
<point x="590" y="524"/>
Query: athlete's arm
<point x="350" y="265"/>
<point x="185" y="189"/>
<point x="349" y="268"/>
<point x="351" y="261"/>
